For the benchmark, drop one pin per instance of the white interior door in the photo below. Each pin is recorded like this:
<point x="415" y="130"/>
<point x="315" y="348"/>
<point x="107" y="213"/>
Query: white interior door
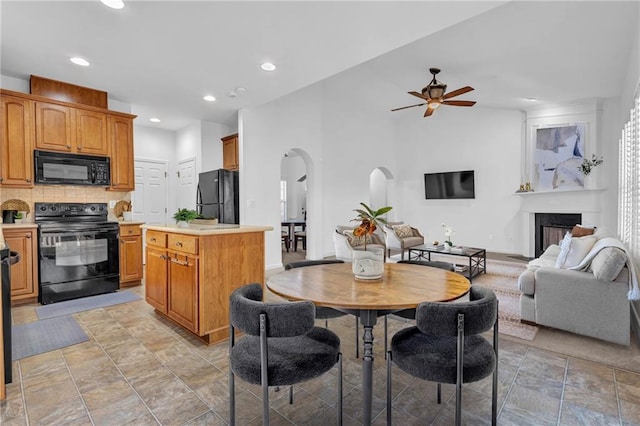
<point x="186" y="195"/>
<point x="151" y="196"/>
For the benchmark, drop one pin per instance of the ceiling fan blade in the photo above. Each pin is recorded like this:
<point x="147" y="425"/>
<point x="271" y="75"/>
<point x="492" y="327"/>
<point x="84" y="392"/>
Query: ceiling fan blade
<point x="419" y="95"/>
<point x="458" y="92"/>
<point x="459" y="103"/>
<point x="410" y="106"/>
<point x="428" y="112"/>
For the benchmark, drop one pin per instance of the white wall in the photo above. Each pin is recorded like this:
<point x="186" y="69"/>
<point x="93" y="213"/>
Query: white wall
<point x="211" y="145"/>
<point x="488" y="141"/>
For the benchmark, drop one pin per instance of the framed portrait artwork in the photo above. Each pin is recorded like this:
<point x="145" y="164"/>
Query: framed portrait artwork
<point x="557" y="153"/>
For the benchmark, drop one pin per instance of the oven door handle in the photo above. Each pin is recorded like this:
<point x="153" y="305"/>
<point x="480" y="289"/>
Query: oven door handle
<point x="78" y="232"/>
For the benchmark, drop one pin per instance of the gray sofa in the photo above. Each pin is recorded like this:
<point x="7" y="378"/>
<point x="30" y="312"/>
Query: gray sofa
<point x="591" y="302"/>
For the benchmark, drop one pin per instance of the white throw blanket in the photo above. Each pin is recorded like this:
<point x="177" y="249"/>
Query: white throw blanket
<point x="634" y="292"/>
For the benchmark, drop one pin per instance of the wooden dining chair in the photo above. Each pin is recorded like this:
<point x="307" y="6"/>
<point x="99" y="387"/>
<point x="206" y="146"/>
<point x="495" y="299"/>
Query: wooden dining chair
<point x="410" y="314"/>
<point x="323" y="312"/>
<point x="446" y="346"/>
<point x="280" y="346"/>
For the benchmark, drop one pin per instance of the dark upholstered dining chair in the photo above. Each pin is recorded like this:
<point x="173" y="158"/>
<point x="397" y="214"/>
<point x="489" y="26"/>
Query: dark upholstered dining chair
<point x="411" y="313"/>
<point x="323" y="312"/>
<point x="445" y="346"/>
<point x="281" y="346"/>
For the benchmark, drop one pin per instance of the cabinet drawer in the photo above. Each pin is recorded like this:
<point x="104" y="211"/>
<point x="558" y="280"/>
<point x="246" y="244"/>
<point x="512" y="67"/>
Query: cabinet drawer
<point x="184" y="243"/>
<point x="130" y="230"/>
<point x="156" y="238"/>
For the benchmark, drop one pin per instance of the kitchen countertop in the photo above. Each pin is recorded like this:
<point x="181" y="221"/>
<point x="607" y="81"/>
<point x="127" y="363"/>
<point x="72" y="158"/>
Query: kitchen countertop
<point x="130" y="222"/>
<point x="19" y="225"/>
<point x="221" y="228"/>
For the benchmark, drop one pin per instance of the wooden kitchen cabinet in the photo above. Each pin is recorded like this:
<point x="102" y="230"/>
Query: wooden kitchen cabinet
<point x="190" y="273"/>
<point x="24" y="274"/>
<point x="55" y="127"/>
<point x="120" y="134"/>
<point x="91" y="132"/>
<point x="130" y="255"/>
<point x="230" y="152"/>
<point x="67" y="129"/>
<point x="16" y="142"/>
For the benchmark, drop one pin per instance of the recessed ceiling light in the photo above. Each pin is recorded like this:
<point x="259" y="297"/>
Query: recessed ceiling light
<point x="113" y="4"/>
<point x="268" y="66"/>
<point x="154" y="120"/>
<point x="80" y="61"/>
<point x="531" y="99"/>
<point x="209" y="98"/>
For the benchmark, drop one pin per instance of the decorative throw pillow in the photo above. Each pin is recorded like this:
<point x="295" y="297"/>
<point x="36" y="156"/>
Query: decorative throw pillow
<point x="608" y="263"/>
<point x="403" y="231"/>
<point x="565" y="242"/>
<point x="582" y="231"/>
<point x="574" y="251"/>
<point x="357" y="241"/>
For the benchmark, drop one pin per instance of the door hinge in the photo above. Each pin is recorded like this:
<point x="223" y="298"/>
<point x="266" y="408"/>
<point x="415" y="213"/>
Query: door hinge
<point x="166" y="174"/>
<point x="178" y="173"/>
<point x="165" y="209"/>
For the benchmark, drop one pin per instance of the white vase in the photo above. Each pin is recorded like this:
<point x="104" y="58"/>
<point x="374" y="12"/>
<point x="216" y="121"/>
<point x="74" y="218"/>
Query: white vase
<point x="589" y="181"/>
<point x="446" y="248"/>
<point x="368" y="264"/>
<point x="183" y="224"/>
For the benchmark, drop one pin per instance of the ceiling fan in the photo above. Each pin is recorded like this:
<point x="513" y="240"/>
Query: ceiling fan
<point x="434" y="95"/>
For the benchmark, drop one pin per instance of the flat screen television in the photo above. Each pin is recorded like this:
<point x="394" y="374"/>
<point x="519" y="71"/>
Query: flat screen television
<point x="449" y="185"/>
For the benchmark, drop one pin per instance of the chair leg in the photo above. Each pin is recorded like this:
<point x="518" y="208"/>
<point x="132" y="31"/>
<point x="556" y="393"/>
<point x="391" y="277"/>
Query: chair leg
<point x="357" y="339"/>
<point x="494" y="391"/>
<point x="388" y="356"/>
<point x="459" y="364"/>
<point x="402" y="254"/>
<point x="264" y="377"/>
<point x="232" y="399"/>
<point x="439" y="393"/>
<point x="385" y="337"/>
<point x="304" y="243"/>
<point x="291" y="394"/>
<point x="339" y="404"/>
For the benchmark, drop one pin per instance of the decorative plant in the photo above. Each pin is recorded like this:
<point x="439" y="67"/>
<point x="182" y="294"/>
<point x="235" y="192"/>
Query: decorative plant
<point x="17" y="215"/>
<point x="587" y="164"/>
<point x="369" y="221"/>
<point x="448" y="232"/>
<point x="185" y="215"/>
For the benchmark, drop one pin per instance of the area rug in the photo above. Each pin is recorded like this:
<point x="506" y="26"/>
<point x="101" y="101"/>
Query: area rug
<point x="85" y="303"/>
<point x="43" y="336"/>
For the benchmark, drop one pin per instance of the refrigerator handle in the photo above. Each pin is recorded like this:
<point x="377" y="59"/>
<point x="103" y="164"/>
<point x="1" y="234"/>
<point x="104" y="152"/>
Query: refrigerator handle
<point x="198" y="200"/>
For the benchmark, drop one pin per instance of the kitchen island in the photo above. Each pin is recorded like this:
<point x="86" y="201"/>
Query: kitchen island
<point x="191" y="272"/>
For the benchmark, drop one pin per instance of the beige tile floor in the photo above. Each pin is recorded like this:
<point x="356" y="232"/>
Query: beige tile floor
<point x="140" y="369"/>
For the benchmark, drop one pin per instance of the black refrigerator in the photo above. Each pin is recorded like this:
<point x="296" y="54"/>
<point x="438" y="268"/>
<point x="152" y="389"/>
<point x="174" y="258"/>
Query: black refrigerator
<point x="218" y="195"/>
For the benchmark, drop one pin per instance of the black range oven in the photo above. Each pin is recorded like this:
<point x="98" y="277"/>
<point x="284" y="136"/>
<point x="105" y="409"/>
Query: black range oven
<point x="77" y="249"/>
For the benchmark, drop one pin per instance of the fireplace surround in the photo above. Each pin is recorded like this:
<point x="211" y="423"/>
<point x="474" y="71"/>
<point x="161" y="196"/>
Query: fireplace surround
<point x="549" y="228"/>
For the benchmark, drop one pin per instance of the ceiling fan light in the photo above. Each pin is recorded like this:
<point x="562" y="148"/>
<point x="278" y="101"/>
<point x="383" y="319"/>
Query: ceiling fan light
<point x="434" y="105"/>
<point x="436" y="91"/>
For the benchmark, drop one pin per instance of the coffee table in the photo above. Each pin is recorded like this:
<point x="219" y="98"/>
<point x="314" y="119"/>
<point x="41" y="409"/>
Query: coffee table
<point x="477" y="257"/>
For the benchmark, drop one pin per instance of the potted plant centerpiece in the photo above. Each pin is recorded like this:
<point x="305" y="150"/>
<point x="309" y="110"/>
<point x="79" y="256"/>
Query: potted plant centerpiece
<point x="368" y="263"/>
<point x="184" y="216"/>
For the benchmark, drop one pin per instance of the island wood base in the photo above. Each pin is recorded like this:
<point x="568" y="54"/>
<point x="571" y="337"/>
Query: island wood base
<point x="191" y="273"/>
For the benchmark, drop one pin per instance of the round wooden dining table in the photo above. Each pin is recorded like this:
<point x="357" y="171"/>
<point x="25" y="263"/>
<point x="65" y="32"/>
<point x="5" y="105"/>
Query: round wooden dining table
<point x="403" y="286"/>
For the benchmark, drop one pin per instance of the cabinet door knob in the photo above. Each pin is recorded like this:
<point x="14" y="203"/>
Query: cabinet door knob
<point x="179" y="244"/>
<point x="1" y="179"/>
<point x="28" y="236"/>
<point x="28" y="180"/>
<point x="79" y="147"/>
<point x="68" y="145"/>
<point x="152" y="239"/>
<point x="130" y="231"/>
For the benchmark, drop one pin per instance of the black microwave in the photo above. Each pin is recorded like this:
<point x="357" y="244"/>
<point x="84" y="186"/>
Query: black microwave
<point x="58" y="168"/>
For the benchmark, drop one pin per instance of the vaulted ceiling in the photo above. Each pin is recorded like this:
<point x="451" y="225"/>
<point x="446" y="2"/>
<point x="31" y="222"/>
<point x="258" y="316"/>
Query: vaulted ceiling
<point x="162" y="57"/>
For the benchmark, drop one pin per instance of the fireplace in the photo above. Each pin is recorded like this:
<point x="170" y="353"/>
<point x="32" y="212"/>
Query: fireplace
<point x="551" y="227"/>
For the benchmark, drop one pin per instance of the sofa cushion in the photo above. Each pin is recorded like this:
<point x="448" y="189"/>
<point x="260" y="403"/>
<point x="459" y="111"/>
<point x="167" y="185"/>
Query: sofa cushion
<point x="608" y="263"/>
<point x="573" y="251"/>
<point x="403" y="231"/>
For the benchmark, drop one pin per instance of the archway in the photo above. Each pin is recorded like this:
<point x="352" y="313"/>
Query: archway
<point x="382" y="190"/>
<point x="297" y="177"/>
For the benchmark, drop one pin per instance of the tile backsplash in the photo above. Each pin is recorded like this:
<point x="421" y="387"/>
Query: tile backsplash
<point x="62" y="194"/>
